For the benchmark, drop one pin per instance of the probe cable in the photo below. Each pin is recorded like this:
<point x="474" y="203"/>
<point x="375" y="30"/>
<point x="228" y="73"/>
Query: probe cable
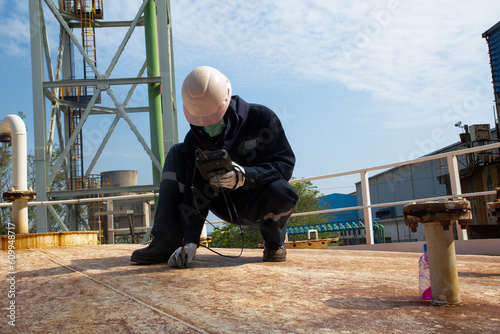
<point x="228" y="210"/>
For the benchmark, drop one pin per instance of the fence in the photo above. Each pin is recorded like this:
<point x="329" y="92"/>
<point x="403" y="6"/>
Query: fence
<point x="453" y="170"/>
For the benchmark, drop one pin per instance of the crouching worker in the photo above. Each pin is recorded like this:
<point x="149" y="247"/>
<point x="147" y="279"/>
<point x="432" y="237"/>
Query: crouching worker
<point x="252" y="189"/>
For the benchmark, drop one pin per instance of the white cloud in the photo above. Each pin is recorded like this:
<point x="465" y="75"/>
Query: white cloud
<point x="14" y="36"/>
<point x="423" y="54"/>
<point x="394" y="50"/>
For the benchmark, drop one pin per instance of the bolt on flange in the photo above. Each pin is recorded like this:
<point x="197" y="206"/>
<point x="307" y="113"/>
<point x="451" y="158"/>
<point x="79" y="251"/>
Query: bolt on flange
<point x="19" y="195"/>
<point x="445" y="212"/>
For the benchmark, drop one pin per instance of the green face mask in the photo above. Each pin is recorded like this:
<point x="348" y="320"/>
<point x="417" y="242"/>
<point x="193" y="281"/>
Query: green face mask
<point x="215" y="129"/>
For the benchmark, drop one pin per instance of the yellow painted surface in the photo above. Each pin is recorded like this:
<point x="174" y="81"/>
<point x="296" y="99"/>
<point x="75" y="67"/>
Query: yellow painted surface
<point x="52" y="239"/>
<point x="310" y="244"/>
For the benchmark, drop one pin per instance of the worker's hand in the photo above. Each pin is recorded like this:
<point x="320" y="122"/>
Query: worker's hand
<point x="183" y="256"/>
<point x="230" y="180"/>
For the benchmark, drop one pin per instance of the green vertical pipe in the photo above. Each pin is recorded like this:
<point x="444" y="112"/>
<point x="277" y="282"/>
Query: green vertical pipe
<point x="154" y="89"/>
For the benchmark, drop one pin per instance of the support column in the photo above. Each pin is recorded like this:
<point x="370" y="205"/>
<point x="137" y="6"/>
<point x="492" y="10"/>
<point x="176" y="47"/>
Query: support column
<point x="154" y="89"/>
<point x="170" y="131"/>
<point x="442" y="264"/>
<point x="39" y="116"/>
<point x="456" y="189"/>
<point x="110" y="221"/>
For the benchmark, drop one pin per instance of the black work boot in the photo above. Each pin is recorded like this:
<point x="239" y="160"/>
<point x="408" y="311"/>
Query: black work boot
<point x="274" y="255"/>
<point x="158" y="251"/>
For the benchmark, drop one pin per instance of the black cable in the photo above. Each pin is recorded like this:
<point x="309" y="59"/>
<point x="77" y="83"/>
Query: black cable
<point x="223" y="191"/>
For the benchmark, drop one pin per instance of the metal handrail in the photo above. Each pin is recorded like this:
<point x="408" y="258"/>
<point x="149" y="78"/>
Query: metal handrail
<point x="453" y="171"/>
<point x="402" y="163"/>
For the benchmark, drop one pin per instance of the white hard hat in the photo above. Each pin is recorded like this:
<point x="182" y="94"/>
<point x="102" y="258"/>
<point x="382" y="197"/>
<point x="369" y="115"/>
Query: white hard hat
<point x="206" y="94"/>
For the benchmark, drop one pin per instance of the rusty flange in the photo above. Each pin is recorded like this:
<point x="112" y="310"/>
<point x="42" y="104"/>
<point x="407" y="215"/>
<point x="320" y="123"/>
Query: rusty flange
<point x="5" y="138"/>
<point x="444" y="212"/>
<point x="494" y="207"/>
<point x="16" y="195"/>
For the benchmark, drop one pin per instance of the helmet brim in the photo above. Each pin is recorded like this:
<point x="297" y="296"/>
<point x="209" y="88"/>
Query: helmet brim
<point x="206" y="120"/>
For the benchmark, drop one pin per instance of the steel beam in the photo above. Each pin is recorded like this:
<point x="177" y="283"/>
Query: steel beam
<point x="165" y="45"/>
<point x="39" y="116"/>
<point x="100" y="81"/>
<point x="154" y="89"/>
<point x="103" y="24"/>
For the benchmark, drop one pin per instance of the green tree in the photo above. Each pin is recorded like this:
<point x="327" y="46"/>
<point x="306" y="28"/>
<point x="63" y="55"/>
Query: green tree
<point x="309" y="200"/>
<point x="234" y="236"/>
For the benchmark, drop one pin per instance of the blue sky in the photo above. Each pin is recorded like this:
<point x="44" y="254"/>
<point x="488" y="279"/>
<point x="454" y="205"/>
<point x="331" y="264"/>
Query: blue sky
<point x="355" y="83"/>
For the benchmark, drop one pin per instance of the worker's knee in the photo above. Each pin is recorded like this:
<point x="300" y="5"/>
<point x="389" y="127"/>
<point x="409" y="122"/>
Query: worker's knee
<point x="282" y="192"/>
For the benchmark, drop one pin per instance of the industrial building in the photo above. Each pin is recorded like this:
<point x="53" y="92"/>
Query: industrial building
<point x="428" y="179"/>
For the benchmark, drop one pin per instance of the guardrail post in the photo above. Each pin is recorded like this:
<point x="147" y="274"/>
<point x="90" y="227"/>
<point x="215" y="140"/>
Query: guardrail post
<point x="367" y="212"/>
<point x="456" y="189"/>
<point x="110" y="222"/>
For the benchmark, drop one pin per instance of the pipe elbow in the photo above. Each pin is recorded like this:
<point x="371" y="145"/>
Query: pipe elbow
<point x="12" y="125"/>
<point x="12" y="129"/>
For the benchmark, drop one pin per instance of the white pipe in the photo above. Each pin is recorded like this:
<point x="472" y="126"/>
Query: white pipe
<point x="13" y="125"/>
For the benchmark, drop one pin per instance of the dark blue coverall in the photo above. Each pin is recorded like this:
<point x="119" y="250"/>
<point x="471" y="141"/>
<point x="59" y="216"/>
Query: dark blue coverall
<point x="254" y="139"/>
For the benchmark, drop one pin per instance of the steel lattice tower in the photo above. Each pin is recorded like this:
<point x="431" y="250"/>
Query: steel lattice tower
<point x="72" y="101"/>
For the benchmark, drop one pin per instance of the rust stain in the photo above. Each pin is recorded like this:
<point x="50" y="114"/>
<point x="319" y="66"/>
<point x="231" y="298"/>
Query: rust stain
<point x="318" y="291"/>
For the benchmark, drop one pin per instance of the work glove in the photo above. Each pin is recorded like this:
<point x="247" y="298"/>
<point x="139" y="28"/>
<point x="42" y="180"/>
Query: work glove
<point x="229" y="180"/>
<point x="183" y="256"/>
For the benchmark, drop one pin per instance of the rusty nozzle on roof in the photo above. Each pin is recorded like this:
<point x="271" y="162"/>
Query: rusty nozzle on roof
<point x="437" y="218"/>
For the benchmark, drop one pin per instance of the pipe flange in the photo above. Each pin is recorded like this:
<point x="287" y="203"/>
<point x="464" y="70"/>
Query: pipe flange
<point x="5" y="138"/>
<point x="494" y="205"/>
<point x="444" y="212"/>
<point x="19" y="195"/>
